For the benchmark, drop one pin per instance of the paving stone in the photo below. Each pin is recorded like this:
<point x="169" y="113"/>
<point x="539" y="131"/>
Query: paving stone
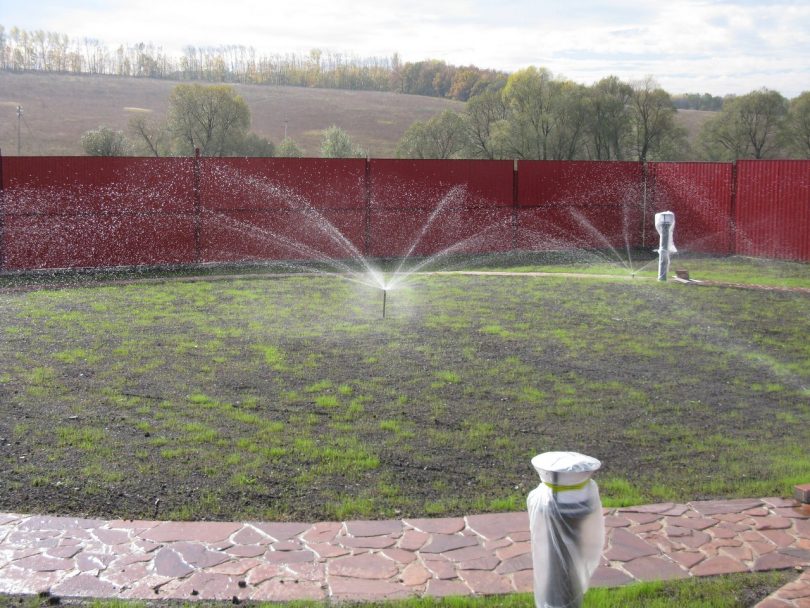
<point x="625" y="546"/>
<point x="366" y="566"/>
<point x="399" y="555"/>
<point x="515" y="564"/>
<point x="758" y="512"/>
<point x="415" y="574"/>
<point x="520" y="536"/>
<point x="196" y="555"/>
<point x="523" y="581"/>
<point x="58" y="523"/>
<point x="468" y="553"/>
<point x="413" y="540"/>
<point x="732" y="517"/>
<point x="714" y="507"/>
<point x="655" y="509"/>
<point x="210" y="585"/>
<point x="236" y="567"/>
<point x="288" y="591"/>
<point x="513" y="550"/>
<point x="802" y="529"/>
<point x="802" y="512"/>
<point x="64" y="552"/>
<point x="442" y="588"/>
<point x="441" y="568"/>
<point x="677" y="510"/>
<point x="249" y="535"/>
<point x="287" y="545"/>
<point x="655" y="568"/>
<point x="439" y="543"/>
<point x="687" y="559"/>
<point x="7" y="518"/>
<point x="643" y="518"/>
<point x="343" y="588"/>
<point x="742" y="553"/>
<point x="645" y="528"/>
<point x="206" y="532"/>
<point x="774" y="603"/>
<point x="489" y="562"/>
<point x="693" y="523"/>
<point x="84" y="585"/>
<point x="374" y="528"/>
<point x="168" y="563"/>
<point x="498" y="525"/>
<point x="483" y="582"/>
<point x="367" y="542"/>
<point x="111" y="537"/>
<point x="93" y="561"/>
<point x="762" y="548"/>
<point x="695" y="540"/>
<point x="777" y="561"/>
<point x="27" y="582"/>
<point x="43" y="563"/>
<point x="446" y="525"/>
<point x="491" y="545"/>
<point x="327" y="550"/>
<point x="264" y="572"/>
<point x="605" y="576"/>
<point x="246" y="550"/>
<point x="281" y="531"/>
<point x="718" y="565"/>
<point x="289" y="557"/>
<point x="779" y="501"/>
<point x="774" y="523"/>
<point x="322" y="532"/>
<point x="779" y="538"/>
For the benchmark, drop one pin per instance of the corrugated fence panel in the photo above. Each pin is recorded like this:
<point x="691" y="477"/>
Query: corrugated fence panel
<point x="579" y="204"/>
<point x="773" y="209"/>
<point x="91" y="211"/>
<point x="282" y="208"/>
<point x="429" y="207"/>
<point x="700" y="196"/>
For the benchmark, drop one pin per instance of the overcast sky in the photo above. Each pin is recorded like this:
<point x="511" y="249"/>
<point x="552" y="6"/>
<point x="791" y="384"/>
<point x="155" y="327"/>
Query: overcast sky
<point x="720" y="46"/>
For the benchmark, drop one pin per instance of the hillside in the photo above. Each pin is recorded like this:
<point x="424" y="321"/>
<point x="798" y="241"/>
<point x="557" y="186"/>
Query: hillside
<point x="58" y="108"/>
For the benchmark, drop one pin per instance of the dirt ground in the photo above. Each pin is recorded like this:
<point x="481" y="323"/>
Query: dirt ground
<point x="290" y="397"/>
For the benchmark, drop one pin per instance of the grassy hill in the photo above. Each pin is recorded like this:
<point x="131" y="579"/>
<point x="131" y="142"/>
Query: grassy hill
<point x="59" y="108"/>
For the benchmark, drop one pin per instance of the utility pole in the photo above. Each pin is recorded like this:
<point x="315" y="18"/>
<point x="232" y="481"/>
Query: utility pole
<point x="19" y="119"/>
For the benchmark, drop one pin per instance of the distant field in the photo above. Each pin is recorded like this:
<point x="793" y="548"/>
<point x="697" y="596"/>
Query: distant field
<point x="59" y="108"/>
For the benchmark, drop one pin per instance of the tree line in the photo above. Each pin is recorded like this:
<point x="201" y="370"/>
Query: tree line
<point x="541" y="117"/>
<point x="38" y="50"/>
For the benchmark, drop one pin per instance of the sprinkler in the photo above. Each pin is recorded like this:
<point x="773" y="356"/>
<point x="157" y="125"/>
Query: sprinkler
<point x="567" y="528"/>
<point x="665" y="225"/>
<point x="385" y="293"/>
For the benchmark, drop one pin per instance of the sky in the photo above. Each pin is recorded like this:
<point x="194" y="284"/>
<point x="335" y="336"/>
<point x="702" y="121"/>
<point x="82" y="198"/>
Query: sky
<point x="714" y="46"/>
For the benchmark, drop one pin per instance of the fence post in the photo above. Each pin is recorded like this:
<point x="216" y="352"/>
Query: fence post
<point x="367" y="208"/>
<point x="197" y="207"/>
<point x="2" y="218"/>
<point x="515" y="216"/>
<point x="732" y="212"/>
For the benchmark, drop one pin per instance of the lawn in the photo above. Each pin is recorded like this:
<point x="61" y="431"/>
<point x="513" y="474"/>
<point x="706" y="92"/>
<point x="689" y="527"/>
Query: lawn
<point x="290" y="398"/>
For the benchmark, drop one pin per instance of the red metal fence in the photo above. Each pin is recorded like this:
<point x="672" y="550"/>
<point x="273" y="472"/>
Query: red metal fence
<point x="89" y="212"/>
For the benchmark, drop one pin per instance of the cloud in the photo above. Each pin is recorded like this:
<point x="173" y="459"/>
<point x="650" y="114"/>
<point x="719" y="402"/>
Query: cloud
<point x="689" y="45"/>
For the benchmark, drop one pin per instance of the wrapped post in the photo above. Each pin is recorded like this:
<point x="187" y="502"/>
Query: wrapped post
<point x="567" y="528"/>
<point x="665" y="225"/>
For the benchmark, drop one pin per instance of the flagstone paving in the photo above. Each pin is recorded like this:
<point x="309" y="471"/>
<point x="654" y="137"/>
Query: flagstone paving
<point x="373" y="560"/>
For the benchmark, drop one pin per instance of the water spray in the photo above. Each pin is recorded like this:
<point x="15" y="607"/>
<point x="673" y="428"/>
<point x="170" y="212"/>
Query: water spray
<point x="665" y="225"/>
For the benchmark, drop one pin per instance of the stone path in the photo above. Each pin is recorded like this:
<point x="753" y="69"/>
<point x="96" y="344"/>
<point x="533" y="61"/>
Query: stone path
<point x="372" y="560"/>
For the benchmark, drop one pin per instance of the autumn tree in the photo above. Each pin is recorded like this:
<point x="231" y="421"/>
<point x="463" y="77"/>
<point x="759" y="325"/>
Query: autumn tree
<point x="213" y="119"/>
<point x="105" y="141"/>
<point x="289" y="149"/>
<point x="336" y="143"/>
<point x="442" y="136"/>
<point x="798" y="125"/>
<point x="655" y="135"/>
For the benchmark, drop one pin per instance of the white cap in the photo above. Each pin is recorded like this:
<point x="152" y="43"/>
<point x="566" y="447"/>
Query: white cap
<point x="565" y="468"/>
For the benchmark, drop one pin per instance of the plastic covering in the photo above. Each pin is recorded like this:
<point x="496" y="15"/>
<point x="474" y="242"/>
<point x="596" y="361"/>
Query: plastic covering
<point x="567" y="528"/>
<point x="667" y="240"/>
